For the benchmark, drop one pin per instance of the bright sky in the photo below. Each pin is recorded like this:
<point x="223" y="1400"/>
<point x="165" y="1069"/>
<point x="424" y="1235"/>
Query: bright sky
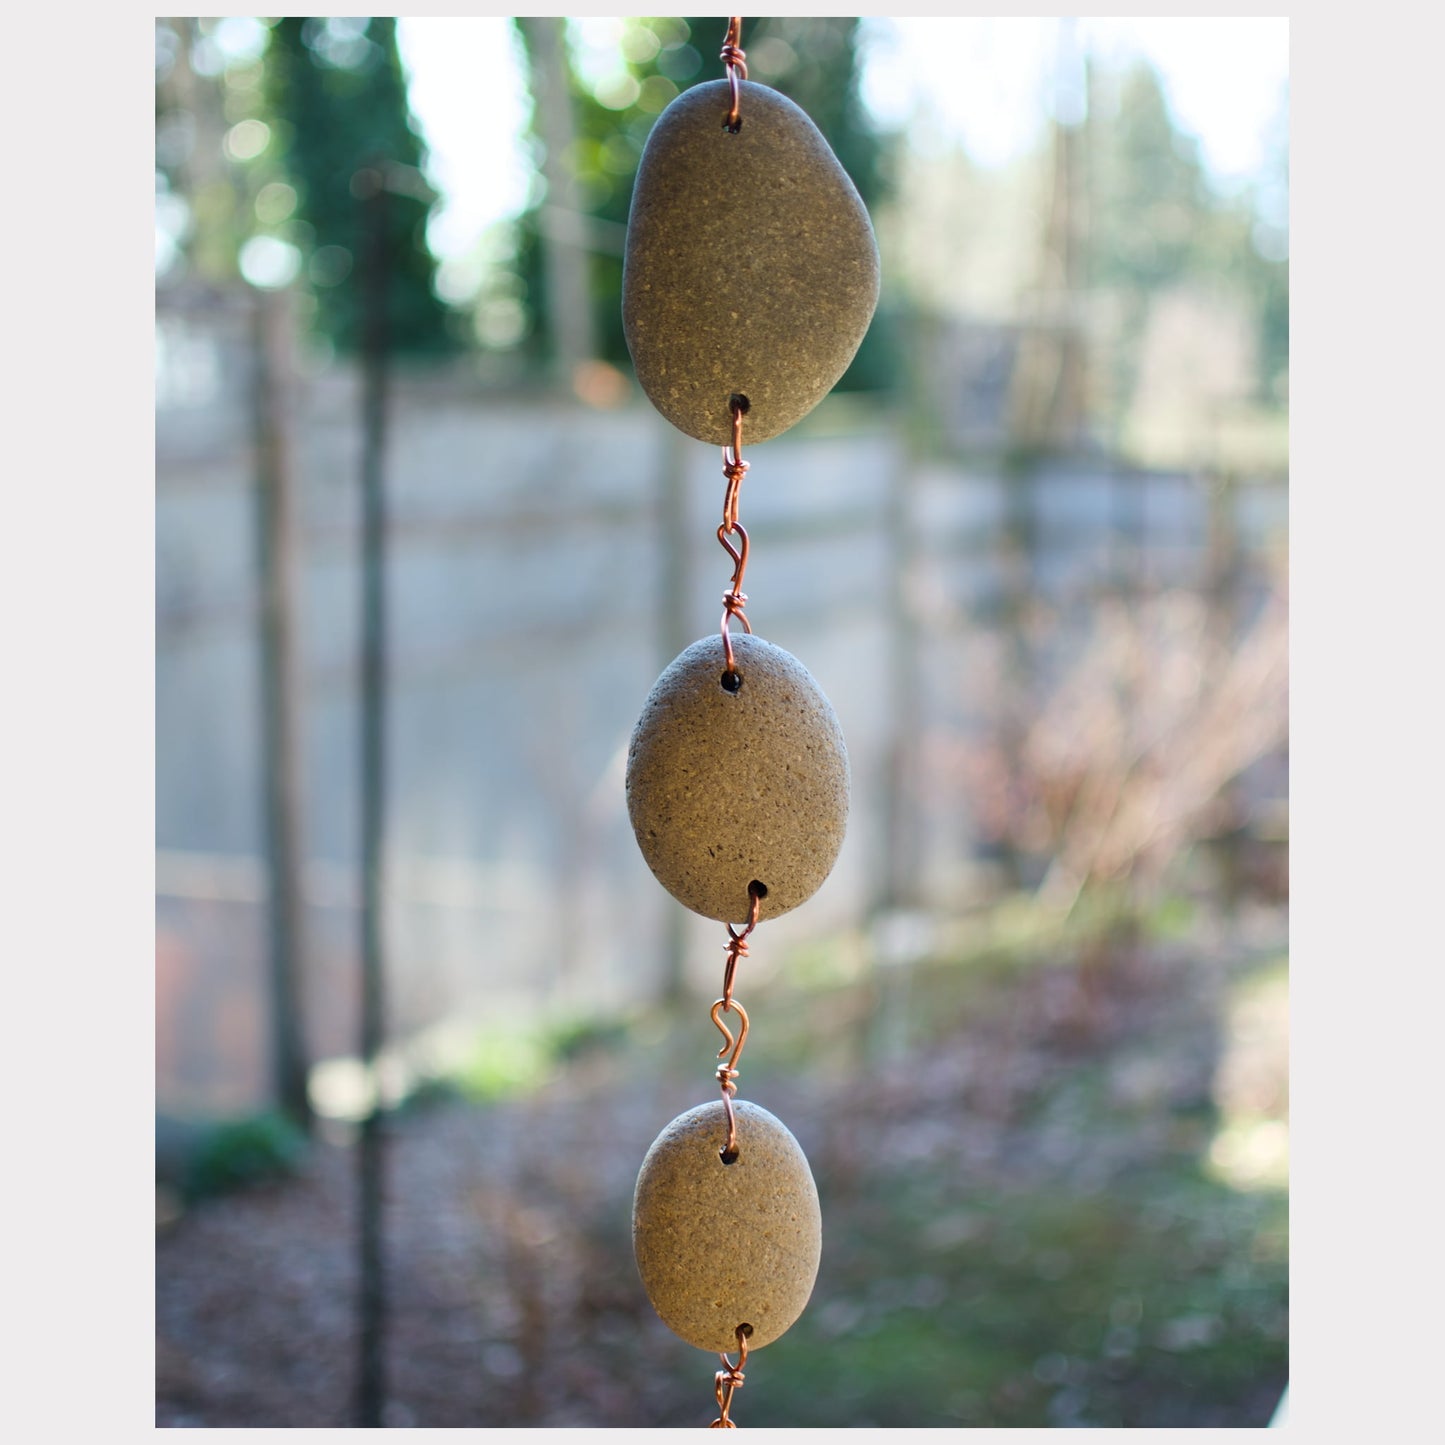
<point x="984" y="83"/>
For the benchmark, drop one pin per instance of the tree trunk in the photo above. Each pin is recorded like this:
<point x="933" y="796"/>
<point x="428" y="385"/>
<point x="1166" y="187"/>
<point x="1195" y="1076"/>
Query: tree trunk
<point x="566" y="260"/>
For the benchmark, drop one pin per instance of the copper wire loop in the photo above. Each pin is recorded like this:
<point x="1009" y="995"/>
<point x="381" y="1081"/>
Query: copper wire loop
<point x="734" y="467"/>
<point x="734" y="599"/>
<point x="727" y="1380"/>
<point x="736" y="61"/>
<point x="737" y="946"/>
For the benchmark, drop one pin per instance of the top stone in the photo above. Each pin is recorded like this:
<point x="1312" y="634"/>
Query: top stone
<point x="751" y="267"/>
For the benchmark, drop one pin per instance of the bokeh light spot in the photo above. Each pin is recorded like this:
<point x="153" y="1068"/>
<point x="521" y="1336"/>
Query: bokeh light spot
<point x="618" y="155"/>
<point x="275" y="201"/>
<point x="601" y="385"/>
<point x="240" y="38"/>
<point x="618" y="91"/>
<point x="655" y="94"/>
<point x="245" y="141"/>
<point x="639" y="44"/>
<point x="459" y="278"/>
<point x="206" y="57"/>
<point x="679" y="62"/>
<point x="501" y="322"/>
<point x="269" y="262"/>
<point x="771" y="56"/>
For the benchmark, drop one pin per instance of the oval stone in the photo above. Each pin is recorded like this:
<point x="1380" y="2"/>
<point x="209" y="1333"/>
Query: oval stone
<point x="751" y="268"/>
<point x="722" y="1245"/>
<point x="727" y="788"/>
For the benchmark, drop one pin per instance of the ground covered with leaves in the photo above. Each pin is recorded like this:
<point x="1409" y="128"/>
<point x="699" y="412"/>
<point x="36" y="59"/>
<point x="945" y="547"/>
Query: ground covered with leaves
<point x="1052" y="1190"/>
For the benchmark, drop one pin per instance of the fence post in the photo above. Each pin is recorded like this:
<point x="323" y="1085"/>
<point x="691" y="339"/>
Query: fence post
<point x="370" y="187"/>
<point x="897" y="884"/>
<point x="278" y="567"/>
<point x="675" y="632"/>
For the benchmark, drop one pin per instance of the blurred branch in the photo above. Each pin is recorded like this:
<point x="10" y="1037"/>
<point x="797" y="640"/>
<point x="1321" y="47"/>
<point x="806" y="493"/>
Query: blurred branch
<point x="1126" y="760"/>
<point x="1120" y="794"/>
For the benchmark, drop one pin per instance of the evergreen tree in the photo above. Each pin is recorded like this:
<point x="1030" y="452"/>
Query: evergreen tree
<point x="1153" y="203"/>
<point x="1157" y="223"/>
<point x="338" y="96"/>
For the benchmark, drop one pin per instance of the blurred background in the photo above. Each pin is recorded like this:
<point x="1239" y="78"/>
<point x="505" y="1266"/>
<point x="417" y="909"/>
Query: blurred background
<point x="422" y="548"/>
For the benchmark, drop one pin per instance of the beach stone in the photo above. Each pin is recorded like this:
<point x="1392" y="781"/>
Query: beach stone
<point x="726" y="788"/>
<point x="722" y="1245"/>
<point x="751" y="268"/>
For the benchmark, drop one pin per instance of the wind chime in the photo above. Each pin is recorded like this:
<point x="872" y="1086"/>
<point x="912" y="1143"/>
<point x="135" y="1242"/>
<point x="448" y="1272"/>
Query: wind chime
<point x="751" y="276"/>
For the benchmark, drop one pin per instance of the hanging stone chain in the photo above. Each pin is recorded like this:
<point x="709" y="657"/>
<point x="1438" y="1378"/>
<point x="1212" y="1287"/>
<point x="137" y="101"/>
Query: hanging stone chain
<point x="737" y="776"/>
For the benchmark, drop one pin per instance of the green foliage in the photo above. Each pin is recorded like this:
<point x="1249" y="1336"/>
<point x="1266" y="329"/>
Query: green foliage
<point x="243" y="1152"/>
<point x="338" y="95"/>
<point x="1153" y="195"/>
<point x="517" y="1060"/>
<point x="579" y="1038"/>
<point x="812" y="61"/>
<point x="505" y="1062"/>
<point x="1156" y="222"/>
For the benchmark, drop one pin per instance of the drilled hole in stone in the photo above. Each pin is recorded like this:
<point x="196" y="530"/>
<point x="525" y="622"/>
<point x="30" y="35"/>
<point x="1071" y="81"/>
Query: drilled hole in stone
<point x="740" y="402"/>
<point x="746" y="1331"/>
<point x="758" y="888"/>
<point x="731" y="681"/>
<point x="729" y="1156"/>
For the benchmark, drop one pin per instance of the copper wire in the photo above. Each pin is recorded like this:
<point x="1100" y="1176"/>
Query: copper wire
<point x="734" y="599"/>
<point x="736" y="61"/>
<point x="737" y="946"/>
<point x="729" y="1379"/>
<point x="727" y="1073"/>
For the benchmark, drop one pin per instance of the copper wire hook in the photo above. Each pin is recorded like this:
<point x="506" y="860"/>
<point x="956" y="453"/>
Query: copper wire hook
<point x="736" y="61"/>
<point x="730" y="1379"/>
<point x="727" y="1073"/>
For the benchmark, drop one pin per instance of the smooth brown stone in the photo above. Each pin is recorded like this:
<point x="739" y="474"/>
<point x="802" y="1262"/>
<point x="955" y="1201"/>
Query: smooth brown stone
<point x="751" y="266"/>
<point x="722" y="1245"/>
<point x="727" y="788"/>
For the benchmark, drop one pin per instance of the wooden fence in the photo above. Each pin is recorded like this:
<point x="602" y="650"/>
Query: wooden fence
<point x="546" y="560"/>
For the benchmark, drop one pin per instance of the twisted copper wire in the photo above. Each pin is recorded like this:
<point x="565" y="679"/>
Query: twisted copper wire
<point x="730" y="1378"/>
<point x="736" y="61"/>
<point x="737" y="945"/>
<point x="734" y="599"/>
